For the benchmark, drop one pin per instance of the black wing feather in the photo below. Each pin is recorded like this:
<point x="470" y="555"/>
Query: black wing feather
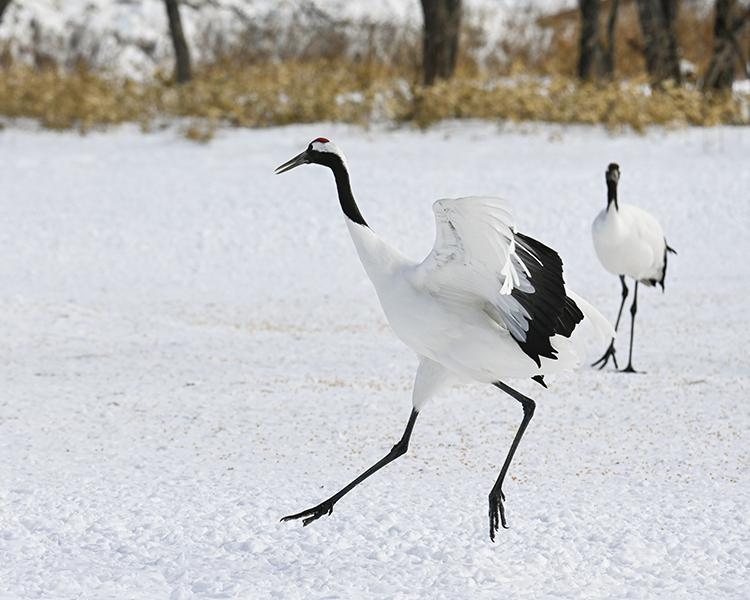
<point x="550" y="310"/>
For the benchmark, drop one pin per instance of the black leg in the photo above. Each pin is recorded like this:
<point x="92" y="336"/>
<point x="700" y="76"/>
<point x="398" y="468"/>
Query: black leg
<point x="497" y="510"/>
<point x="624" y="296"/>
<point x="326" y="507"/>
<point x="633" y="309"/>
<point x="611" y="350"/>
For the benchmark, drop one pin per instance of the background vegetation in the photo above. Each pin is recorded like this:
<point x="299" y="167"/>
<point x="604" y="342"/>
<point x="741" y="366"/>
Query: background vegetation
<point x="373" y="75"/>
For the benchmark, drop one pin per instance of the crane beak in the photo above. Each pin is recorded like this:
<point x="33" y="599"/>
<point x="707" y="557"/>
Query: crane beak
<point x="300" y="159"/>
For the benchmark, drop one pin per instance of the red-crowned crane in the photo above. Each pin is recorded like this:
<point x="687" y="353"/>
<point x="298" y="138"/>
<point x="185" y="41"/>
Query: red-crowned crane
<point x="488" y="303"/>
<point x="629" y="242"/>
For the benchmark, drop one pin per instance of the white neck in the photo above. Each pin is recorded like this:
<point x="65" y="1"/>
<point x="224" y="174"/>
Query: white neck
<point x="381" y="260"/>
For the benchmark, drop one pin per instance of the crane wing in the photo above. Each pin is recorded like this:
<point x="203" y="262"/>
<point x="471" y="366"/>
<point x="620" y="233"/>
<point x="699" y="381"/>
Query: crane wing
<point x="479" y="258"/>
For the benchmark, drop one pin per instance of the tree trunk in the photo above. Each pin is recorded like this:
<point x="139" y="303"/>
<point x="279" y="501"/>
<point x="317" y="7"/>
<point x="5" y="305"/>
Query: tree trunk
<point x="442" y="23"/>
<point x="181" y="52"/>
<point x="609" y="53"/>
<point x="3" y="6"/>
<point x="591" y="57"/>
<point x="728" y="24"/>
<point x="659" y="27"/>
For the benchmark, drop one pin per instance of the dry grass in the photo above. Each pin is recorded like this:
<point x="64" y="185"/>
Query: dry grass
<point x="563" y="100"/>
<point x="240" y="95"/>
<point x="292" y="92"/>
<point x="522" y="81"/>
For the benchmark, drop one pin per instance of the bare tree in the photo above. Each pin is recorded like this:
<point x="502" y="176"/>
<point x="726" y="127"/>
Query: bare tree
<point x="729" y="21"/>
<point x="181" y="52"/>
<point x="442" y="24"/>
<point x="659" y="27"/>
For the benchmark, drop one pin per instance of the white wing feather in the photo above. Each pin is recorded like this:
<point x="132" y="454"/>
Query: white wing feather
<point x="593" y="319"/>
<point x="474" y="259"/>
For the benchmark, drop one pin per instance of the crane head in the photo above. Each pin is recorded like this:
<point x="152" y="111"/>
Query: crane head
<point x="613" y="173"/>
<point x="320" y="151"/>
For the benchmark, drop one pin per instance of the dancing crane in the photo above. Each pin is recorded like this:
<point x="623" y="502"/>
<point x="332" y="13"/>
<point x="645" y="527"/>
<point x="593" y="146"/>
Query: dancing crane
<point x="629" y="242"/>
<point x="488" y="303"/>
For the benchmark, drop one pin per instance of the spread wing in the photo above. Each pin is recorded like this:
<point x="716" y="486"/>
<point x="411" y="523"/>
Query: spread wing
<point x="479" y="259"/>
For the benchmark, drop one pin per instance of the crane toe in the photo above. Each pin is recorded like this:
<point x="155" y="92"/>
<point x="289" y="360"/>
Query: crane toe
<point x="311" y="514"/>
<point x="610" y="353"/>
<point x="497" y="512"/>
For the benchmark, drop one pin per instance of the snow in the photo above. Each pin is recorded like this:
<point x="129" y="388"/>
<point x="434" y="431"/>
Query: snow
<point x="191" y="350"/>
<point x="131" y="37"/>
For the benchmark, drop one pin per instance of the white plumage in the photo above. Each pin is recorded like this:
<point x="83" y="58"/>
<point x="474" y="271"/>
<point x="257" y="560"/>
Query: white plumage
<point x="629" y="242"/>
<point x="456" y="308"/>
<point x="486" y="304"/>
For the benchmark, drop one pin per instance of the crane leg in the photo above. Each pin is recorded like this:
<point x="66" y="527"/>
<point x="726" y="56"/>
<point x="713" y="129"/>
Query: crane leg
<point x="326" y="507"/>
<point x="633" y="309"/>
<point x="497" y="510"/>
<point x="610" y="352"/>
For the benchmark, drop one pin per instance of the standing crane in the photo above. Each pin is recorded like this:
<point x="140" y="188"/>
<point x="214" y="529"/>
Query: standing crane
<point x="629" y="242"/>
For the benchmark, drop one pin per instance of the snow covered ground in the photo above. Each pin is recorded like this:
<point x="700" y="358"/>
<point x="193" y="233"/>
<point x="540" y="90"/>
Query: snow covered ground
<point x="190" y="350"/>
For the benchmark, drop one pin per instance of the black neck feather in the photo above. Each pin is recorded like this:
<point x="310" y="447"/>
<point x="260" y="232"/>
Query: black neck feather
<point x="612" y="193"/>
<point x="344" y="188"/>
